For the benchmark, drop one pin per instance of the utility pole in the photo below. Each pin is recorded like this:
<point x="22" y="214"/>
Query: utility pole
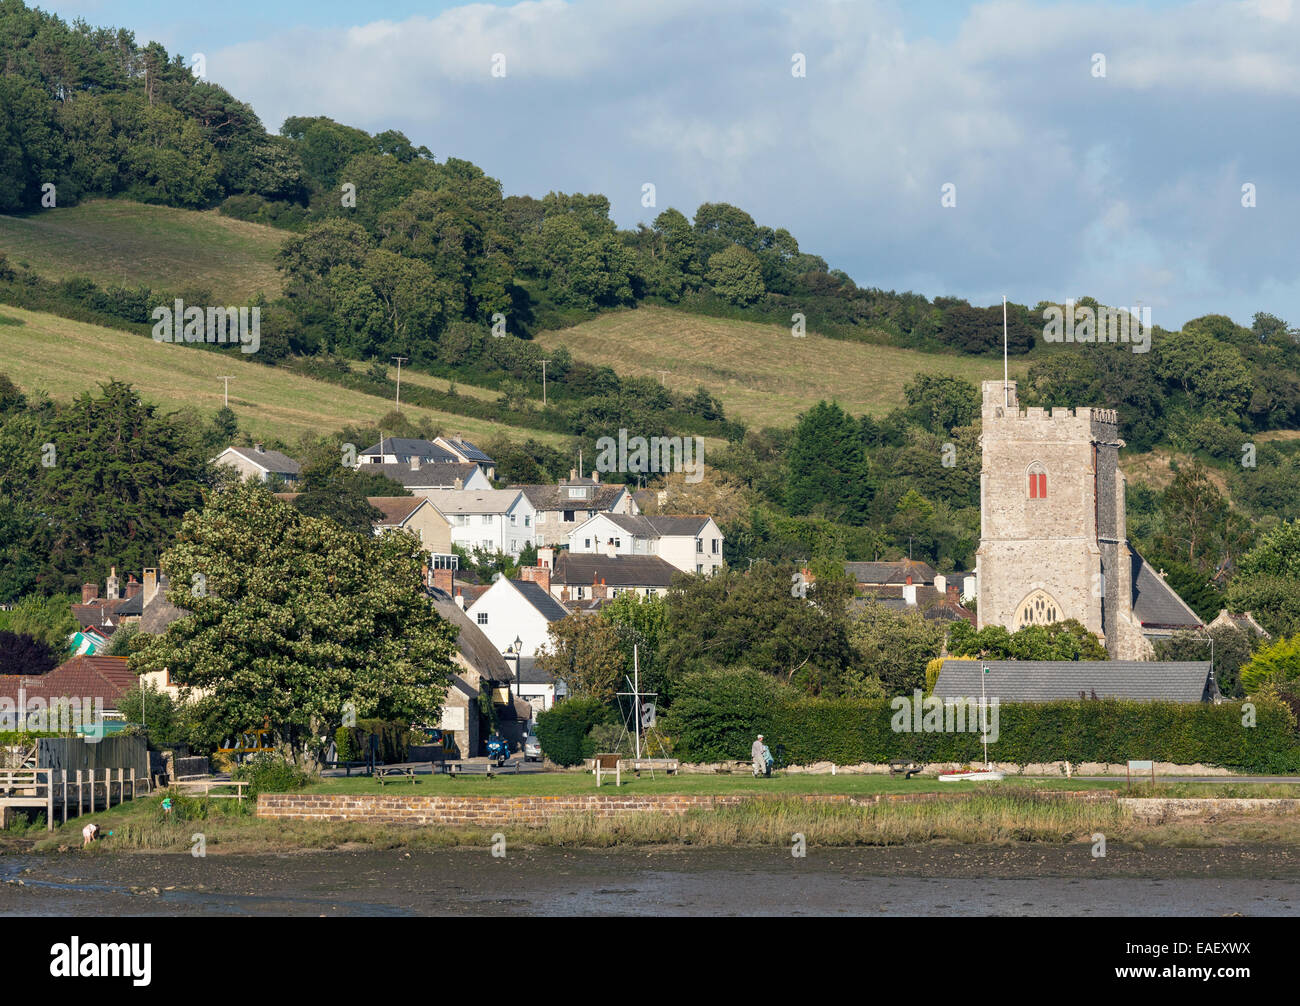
<point x="226" y="403"/>
<point x="661" y="379"/>
<point x="544" y="363"/>
<point x="400" y="360"/>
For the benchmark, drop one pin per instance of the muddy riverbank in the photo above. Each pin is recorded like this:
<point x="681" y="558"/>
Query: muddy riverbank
<point x="937" y="880"/>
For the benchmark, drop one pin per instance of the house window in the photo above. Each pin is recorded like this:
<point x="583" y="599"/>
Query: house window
<point x="514" y="544"/>
<point x="568" y="516"/>
<point x="514" y="520"/>
<point x="487" y="518"/>
<point x="1037" y="481"/>
<point x="715" y="546"/>
<point x="581" y="595"/>
<point x="487" y="544"/>
<point x="699" y="568"/>
<point x="541" y="517"/>
<point x="699" y="544"/>
<point x="528" y="520"/>
<point x="588" y="543"/>
<point x="482" y="617"/>
<point x="446" y="561"/>
<point x="576" y="492"/>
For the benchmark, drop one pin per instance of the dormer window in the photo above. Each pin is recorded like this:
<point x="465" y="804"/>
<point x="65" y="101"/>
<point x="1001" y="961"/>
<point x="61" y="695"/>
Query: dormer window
<point x="1037" y="481"/>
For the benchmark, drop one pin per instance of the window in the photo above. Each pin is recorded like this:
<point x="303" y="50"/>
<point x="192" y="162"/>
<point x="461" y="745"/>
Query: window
<point x="514" y="545"/>
<point x="699" y="544"/>
<point x="716" y="543"/>
<point x="1037" y="481"/>
<point x="487" y="518"/>
<point x="514" y="520"/>
<point x="541" y="517"/>
<point x="462" y="520"/>
<point x="482" y="617"/>
<point x="580" y="592"/>
<point x="588" y="543"/>
<point x="577" y="493"/>
<point x="441" y="561"/>
<point x="1039" y="608"/>
<point x="528" y="520"/>
<point x="699" y="568"/>
<point x="487" y="544"/>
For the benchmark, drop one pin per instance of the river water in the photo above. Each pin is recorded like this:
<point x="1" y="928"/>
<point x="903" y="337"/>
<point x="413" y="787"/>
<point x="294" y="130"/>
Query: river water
<point x="923" y="880"/>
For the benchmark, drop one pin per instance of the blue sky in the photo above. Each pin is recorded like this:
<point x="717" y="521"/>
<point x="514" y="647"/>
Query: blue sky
<point x="1127" y="187"/>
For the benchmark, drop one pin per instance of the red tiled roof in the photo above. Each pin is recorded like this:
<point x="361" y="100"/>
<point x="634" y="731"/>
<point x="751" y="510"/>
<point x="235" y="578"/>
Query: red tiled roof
<point x="106" y="678"/>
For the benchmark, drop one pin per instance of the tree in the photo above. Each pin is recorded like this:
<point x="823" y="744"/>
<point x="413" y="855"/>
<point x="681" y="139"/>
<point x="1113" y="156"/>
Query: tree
<point x="892" y="647"/>
<point x="826" y="467"/>
<point x="294" y="620"/>
<point x="939" y="402"/>
<point x="24" y="654"/>
<point x="736" y="276"/>
<point x="1232" y="651"/>
<point x="586" y="654"/>
<point x="1194" y="513"/>
<point x="331" y="491"/>
<point x="48" y="619"/>
<point x="1275" y="664"/>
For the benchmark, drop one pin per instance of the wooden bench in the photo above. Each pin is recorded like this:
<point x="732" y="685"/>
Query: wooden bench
<point x="444" y="767"/>
<point x="394" y="772"/>
<point x="905" y="767"/>
<point x="609" y="763"/>
<point x="668" y="765"/>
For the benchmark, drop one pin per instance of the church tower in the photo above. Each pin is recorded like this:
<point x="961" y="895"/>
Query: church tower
<point x="1053" y="541"/>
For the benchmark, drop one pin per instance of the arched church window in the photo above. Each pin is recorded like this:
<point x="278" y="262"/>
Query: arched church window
<point x="1037" y="481"/>
<point x="1039" y="608"/>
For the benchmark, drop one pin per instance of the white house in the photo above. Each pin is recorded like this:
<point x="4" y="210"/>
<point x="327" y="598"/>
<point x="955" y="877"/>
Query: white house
<point x="496" y="520"/>
<point x="421" y="478"/>
<point x="462" y="450"/>
<point x="404" y="450"/>
<point x="563" y="507"/>
<point x="692" y="543"/>
<point x="516" y="609"/>
<point x="258" y="461"/>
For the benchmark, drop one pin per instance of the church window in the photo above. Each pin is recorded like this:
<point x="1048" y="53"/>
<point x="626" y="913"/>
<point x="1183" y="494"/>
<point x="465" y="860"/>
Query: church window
<point x="1037" y="481"/>
<point x="1039" y="608"/>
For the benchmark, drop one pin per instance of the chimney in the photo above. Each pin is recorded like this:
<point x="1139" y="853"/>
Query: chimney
<point x="610" y="549"/>
<point x="908" y="581"/>
<point x="546" y="556"/>
<point x="460" y="600"/>
<point x="89" y="591"/>
<point x="133" y="587"/>
<point x="598" y="588"/>
<point x="459" y="483"/>
<point x="150" y="584"/>
<point x="540" y="575"/>
<point x="260" y="448"/>
<point x="573" y="474"/>
<point x="595" y="476"/>
<point x="909" y="593"/>
<point x="444" y="580"/>
<point x="110" y="587"/>
<point x="954" y="594"/>
<point x="941" y="583"/>
<point x="415" y="463"/>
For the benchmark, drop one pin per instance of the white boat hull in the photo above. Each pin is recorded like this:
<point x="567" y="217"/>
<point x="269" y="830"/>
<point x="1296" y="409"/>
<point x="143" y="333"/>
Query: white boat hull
<point x="990" y="776"/>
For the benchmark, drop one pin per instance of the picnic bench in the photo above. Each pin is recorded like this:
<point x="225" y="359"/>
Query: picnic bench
<point x="392" y="773"/>
<point x="905" y="767"/>
<point x="668" y="765"/>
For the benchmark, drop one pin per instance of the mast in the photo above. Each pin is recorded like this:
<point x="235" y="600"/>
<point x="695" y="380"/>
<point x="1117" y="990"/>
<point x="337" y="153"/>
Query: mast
<point x="636" y="689"/>
<point x="1006" y="390"/>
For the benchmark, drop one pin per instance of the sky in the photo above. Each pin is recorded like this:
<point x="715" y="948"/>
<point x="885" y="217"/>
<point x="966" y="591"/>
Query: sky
<point x="1102" y="149"/>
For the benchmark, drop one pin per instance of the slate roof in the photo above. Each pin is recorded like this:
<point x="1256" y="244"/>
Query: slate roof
<point x="661" y="525"/>
<point x="581" y="569"/>
<point x="550" y="609"/>
<point x="433" y="474"/>
<point x="473" y="501"/>
<point x="531" y="674"/>
<point x="1155" y="603"/>
<point x="82" y="677"/>
<point x="890" y="572"/>
<point x="405" y="448"/>
<point x="550" y="497"/>
<point x="272" y="461"/>
<point x="160" y="612"/>
<point x="99" y="612"/>
<point x="1048" y="680"/>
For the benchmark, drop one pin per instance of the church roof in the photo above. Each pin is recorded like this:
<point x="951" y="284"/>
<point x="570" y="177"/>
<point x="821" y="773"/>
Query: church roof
<point x="1050" y="680"/>
<point x="1155" y="603"/>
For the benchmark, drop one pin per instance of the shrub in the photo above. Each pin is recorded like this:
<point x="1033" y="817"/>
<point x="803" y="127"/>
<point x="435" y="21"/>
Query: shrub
<point x="564" y="728"/>
<point x="717" y="714"/>
<point x="353" y="743"/>
<point x="270" y="773"/>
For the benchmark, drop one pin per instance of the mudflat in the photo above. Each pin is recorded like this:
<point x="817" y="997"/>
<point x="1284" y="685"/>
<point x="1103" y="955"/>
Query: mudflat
<point x="940" y="880"/>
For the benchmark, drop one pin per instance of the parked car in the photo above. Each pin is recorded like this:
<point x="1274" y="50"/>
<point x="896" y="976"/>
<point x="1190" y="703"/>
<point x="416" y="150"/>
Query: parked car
<point x="532" y="748"/>
<point x="498" y="749"/>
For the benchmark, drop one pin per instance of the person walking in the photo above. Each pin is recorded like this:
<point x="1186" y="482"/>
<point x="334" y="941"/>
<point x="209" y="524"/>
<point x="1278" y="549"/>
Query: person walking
<point x="759" y="754"/>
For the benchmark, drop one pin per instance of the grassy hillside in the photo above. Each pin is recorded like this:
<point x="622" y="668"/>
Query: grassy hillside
<point x="66" y="357"/>
<point x="117" y="242"/>
<point x="763" y="374"/>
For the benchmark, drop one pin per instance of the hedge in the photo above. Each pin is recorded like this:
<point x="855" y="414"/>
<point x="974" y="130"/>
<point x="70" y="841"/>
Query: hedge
<point x="849" y="732"/>
<point x="563" y="729"/>
<point x="353" y="743"/>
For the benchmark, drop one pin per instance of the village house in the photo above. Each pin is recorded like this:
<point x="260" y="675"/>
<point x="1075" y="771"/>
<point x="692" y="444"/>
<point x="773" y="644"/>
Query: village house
<point x="419" y="516"/>
<point x="462" y="450"/>
<point x="403" y="451"/>
<point x="522" y="610"/>
<point x="86" y="683"/>
<point x="421" y="479"/>
<point x="561" y="508"/>
<point x="495" y="520"/>
<point x="258" y="462"/>
<point x="576" y="578"/>
<point x="690" y="542"/>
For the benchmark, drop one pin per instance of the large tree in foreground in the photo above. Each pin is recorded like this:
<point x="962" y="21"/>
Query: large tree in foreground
<point x="295" y="621"/>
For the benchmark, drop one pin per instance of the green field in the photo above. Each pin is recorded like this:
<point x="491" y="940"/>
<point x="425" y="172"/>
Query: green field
<point x="64" y="358"/>
<point x="117" y="242"/>
<point x="763" y="375"/>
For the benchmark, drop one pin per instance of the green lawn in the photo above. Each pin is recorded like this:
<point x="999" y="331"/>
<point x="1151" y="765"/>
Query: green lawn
<point x="763" y="374"/>
<point x="119" y="242"/>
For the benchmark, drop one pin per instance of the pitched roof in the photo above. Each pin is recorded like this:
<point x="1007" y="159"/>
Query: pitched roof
<point x="396" y="509"/>
<point x="660" y="525"/>
<point x="467" y="449"/>
<point x="1048" y="680"/>
<point x="549" y="608"/>
<point x="890" y="572"/>
<point x="430" y="475"/>
<point x="473" y="501"/>
<point x="405" y="448"/>
<point x="1155" y="603"/>
<point x="82" y="677"/>
<point x="581" y="569"/>
<point x="531" y="674"/>
<point x="548" y="497"/>
<point x="473" y="644"/>
<point x="160" y="612"/>
<point x="100" y="612"/>
<point x="272" y="461"/>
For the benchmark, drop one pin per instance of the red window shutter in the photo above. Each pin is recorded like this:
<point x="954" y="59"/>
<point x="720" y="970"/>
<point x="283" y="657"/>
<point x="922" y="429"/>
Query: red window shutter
<point x="1042" y="486"/>
<point x="1033" y="487"/>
